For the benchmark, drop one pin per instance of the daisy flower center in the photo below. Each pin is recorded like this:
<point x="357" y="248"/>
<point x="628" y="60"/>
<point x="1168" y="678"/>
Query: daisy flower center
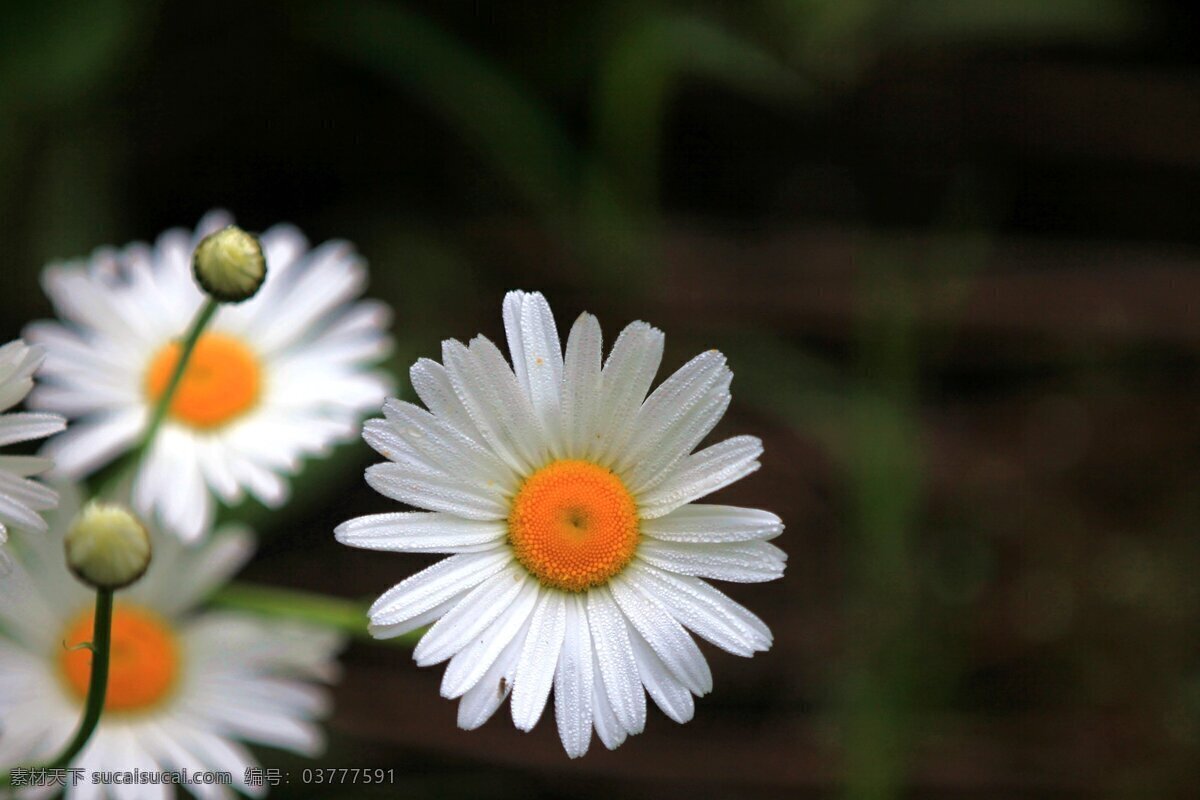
<point x="573" y="525"/>
<point x="143" y="660"/>
<point x="222" y="380"/>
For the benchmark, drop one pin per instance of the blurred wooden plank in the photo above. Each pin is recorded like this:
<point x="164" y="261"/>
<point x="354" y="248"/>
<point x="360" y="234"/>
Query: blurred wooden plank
<point x="807" y="282"/>
<point x="1058" y="293"/>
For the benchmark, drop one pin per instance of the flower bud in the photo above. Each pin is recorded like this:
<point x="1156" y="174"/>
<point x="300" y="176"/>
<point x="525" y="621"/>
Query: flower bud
<point x="107" y="546"/>
<point x="230" y="264"/>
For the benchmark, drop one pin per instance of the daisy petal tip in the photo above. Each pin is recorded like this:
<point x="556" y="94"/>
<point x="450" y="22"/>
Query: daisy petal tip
<point x="468" y="724"/>
<point x="343" y="534"/>
<point x="538" y="300"/>
<point x="574" y="750"/>
<point x="379" y="630"/>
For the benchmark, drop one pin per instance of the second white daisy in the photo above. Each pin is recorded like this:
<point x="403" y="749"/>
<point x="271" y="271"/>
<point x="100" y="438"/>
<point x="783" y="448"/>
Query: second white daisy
<point x="184" y="688"/>
<point x="279" y="377"/>
<point x="566" y="498"/>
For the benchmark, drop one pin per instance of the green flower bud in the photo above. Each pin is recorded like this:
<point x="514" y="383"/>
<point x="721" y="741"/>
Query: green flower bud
<point x="230" y="264"/>
<point x="107" y="546"/>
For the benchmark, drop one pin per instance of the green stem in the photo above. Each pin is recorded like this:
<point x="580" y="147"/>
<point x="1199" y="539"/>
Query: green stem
<point x="347" y="616"/>
<point x="199" y="323"/>
<point x="120" y="469"/>
<point x="97" y="685"/>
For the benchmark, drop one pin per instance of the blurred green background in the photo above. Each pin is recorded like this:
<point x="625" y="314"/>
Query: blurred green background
<point x="950" y="248"/>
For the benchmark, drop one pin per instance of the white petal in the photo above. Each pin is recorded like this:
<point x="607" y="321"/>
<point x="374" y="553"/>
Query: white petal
<point x="435" y="492"/>
<point x="679" y="441"/>
<point x="420" y="532"/>
<point x="419" y="621"/>
<point x="27" y="492"/>
<point x="498" y="407"/>
<point x="471" y="663"/>
<point x="704" y="610"/>
<point x="13" y="391"/>
<point x="669" y="423"/>
<point x="664" y="635"/>
<point x="626" y="378"/>
<point x="201" y="570"/>
<point x="409" y="427"/>
<point x="88" y="445"/>
<point x="490" y="690"/>
<point x="470" y="617"/>
<point x="432" y="384"/>
<point x="610" y="638"/>
<point x="608" y="727"/>
<point x="573" y="681"/>
<point x="283" y="245"/>
<point x="18" y="361"/>
<point x="539" y="658"/>
<point x="24" y="466"/>
<point x="267" y="487"/>
<point x="581" y="386"/>
<point x="434" y="585"/>
<point x="170" y="486"/>
<point x="247" y="718"/>
<point x="174" y="756"/>
<point x="16" y="514"/>
<point x="537" y="357"/>
<point x="26" y="425"/>
<point x="669" y="694"/>
<point x="215" y="752"/>
<point x="329" y="276"/>
<point x="739" y="562"/>
<point x="703" y="473"/>
<point x="711" y="524"/>
<point x="212" y="458"/>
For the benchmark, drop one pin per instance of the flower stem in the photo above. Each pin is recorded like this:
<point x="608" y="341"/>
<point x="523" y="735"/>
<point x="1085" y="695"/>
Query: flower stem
<point x="347" y="616"/>
<point x="116" y="473"/>
<point x="199" y="323"/>
<point x="97" y="685"/>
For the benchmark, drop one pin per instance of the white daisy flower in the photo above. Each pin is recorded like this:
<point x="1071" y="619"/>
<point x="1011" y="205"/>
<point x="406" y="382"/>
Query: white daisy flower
<point x="566" y="496"/>
<point x="21" y="498"/>
<point x="281" y="376"/>
<point x="183" y="688"/>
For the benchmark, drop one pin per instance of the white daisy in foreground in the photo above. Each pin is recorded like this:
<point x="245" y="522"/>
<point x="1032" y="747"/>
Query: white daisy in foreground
<point x="565" y="495"/>
<point x="21" y="498"/>
<point x="281" y="376"/>
<point x="183" y="687"/>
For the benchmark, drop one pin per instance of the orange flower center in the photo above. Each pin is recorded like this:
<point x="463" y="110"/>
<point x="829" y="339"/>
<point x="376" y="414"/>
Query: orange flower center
<point x="143" y="663"/>
<point x="222" y="380"/>
<point x="573" y="525"/>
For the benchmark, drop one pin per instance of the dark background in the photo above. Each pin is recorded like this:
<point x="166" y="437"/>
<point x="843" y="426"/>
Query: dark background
<point x="949" y="247"/>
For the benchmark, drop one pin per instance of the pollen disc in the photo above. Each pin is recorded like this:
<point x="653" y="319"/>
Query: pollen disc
<point x="143" y="665"/>
<point x="573" y="525"/>
<point x="222" y="380"/>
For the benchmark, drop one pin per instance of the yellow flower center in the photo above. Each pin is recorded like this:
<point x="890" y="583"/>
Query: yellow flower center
<point x="222" y="380"/>
<point x="573" y="525"/>
<point x="143" y="662"/>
